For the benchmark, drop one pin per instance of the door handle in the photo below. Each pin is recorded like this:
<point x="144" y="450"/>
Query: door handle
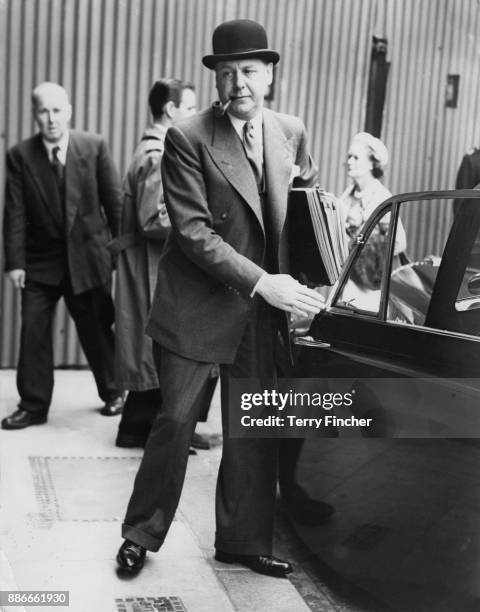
<point x="309" y="341"/>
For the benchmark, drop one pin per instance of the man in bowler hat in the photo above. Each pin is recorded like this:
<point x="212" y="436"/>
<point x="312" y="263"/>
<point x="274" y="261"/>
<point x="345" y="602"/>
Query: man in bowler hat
<point x="222" y="295"/>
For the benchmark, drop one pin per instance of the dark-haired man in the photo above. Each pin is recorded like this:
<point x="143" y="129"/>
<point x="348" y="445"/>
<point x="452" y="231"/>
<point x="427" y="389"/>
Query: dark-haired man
<point x="224" y="284"/>
<point x="144" y="228"/>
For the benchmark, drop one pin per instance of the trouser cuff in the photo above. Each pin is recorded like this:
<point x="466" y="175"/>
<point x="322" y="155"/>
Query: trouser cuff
<point x="34" y="410"/>
<point x="236" y="547"/>
<point x="137" y="536"/>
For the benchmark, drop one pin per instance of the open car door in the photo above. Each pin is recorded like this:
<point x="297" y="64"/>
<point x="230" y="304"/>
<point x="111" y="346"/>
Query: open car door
<point x="402" y="323"/>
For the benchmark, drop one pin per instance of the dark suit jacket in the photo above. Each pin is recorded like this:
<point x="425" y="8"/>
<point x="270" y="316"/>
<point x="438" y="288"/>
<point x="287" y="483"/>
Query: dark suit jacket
<point x="468" y="175"/>
<point x="41" y="233"/>
<point x="215" y="253"/>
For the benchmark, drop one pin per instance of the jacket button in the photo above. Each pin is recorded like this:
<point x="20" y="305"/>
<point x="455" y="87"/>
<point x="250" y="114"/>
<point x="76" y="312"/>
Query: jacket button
<point x="223" y="216"/>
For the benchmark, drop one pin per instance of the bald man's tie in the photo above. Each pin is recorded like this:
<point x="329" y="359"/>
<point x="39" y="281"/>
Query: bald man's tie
<point x="59" y="173"/>
<point x="58" y="168"/>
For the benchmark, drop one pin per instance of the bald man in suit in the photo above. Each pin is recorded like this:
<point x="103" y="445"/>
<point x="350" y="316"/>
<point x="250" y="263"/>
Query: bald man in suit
<point x="63" y="204"/>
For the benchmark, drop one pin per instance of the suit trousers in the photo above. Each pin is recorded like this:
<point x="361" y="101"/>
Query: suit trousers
<point x="141" y="407"/>
<point x="93" y="314"/>
<point x="246" y="486"/>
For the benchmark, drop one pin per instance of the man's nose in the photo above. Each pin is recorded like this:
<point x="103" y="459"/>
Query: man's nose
<point x="239" y="79"/>
<point x="51" y="117"/>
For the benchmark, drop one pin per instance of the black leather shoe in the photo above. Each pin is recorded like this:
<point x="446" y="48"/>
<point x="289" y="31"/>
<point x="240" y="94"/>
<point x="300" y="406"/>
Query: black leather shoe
<point x="262" y="564"/>
<point x="199" y="442"/>
<point x="307" y="511"/>
<point x="21" y="419"/>
<point x="131" y="557"/>
<point x="113" y="406"/>
<point x="126" y="440"/>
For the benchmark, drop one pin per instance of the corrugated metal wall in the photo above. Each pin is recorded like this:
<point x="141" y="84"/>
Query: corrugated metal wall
<point x="428" y="40"/>
<point x="108" y="52"/>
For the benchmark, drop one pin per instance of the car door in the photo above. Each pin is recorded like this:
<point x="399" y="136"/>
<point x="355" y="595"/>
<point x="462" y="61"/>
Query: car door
<point x="406" y="335"/>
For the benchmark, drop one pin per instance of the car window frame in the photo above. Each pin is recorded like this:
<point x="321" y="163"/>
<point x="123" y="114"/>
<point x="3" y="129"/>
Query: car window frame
<point x="393" y="203"/>
<point x="386" y="207"/>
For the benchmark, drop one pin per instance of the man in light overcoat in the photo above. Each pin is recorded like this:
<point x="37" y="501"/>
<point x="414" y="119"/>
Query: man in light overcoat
<point x="144" y="229"/>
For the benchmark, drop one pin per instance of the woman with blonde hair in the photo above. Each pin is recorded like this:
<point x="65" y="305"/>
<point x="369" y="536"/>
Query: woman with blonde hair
<point x="366" y="160"/>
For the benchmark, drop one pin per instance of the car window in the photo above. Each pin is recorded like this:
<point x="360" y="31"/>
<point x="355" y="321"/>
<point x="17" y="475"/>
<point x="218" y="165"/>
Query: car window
<point x="427" y="224"/>
<point x="468" y="297"/>
<point x="404" y="291"/>
<point x="361" y="290"/>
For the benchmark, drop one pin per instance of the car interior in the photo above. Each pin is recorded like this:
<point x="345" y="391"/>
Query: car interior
<point x="410" y="283"/>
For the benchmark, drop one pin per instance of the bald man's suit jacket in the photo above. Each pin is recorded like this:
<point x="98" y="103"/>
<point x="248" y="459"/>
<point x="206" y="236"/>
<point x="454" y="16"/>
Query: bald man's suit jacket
<point x="216" y="252"/>
<point x="42" y="233"/>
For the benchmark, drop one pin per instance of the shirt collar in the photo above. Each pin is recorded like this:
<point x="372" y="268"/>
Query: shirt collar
<point x="238" y="124"/>
<point x="63" y="146"/>
<point x="156" y="130"/>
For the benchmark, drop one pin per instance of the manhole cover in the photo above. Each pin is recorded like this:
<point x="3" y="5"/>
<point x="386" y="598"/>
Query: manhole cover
<point x="150" y="604"/>
<point x="366" y="537"/>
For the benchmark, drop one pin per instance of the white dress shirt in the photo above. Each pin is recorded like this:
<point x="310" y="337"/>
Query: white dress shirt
<point x="62" y="144"/>
<point x="257" y="123"/>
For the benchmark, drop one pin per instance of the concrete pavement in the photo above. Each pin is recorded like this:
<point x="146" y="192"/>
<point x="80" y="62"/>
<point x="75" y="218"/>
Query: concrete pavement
<point x="404" y="535"/>
<point x="63" y="491"/>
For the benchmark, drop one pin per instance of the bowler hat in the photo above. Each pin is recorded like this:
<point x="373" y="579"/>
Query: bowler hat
<point x="239" y="39"/>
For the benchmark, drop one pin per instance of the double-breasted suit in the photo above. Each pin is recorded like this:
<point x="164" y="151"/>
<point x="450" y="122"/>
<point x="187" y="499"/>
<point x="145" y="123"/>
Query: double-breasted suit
<point x="225" y="235"/>
<point x="59" y="237"/>
<point x="222" y="240"/>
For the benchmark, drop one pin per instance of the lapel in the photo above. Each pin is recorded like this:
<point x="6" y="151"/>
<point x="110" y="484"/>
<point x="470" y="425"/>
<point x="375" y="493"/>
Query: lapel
<point x="226" y="150"/>
<point x="278" y="162"/>
<point x="42" y="174"/>
<point x="75" y="169"/>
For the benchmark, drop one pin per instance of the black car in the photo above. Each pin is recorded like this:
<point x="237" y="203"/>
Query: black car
<point x="401" y="327"/>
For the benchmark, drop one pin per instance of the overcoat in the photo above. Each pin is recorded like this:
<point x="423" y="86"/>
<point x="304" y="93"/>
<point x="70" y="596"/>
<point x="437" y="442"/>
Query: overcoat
<point x="43" y="235"/>
<point x="213" y="257"/>
<point x="145" y="225"/>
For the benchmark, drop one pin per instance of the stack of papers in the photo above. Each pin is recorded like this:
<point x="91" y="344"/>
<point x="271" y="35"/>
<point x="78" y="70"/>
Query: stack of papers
<point x="318" y="243"/>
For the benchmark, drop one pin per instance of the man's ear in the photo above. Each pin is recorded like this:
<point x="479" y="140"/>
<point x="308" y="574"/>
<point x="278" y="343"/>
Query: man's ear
<point x="69" y="112"/>
<point x="170" y="109"/>
<point x="269" y="73"/>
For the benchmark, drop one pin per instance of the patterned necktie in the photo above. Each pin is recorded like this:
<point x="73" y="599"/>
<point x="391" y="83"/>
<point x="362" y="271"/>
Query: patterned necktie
<point x="253" y="150"/>
<point x="57" y="166"/>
